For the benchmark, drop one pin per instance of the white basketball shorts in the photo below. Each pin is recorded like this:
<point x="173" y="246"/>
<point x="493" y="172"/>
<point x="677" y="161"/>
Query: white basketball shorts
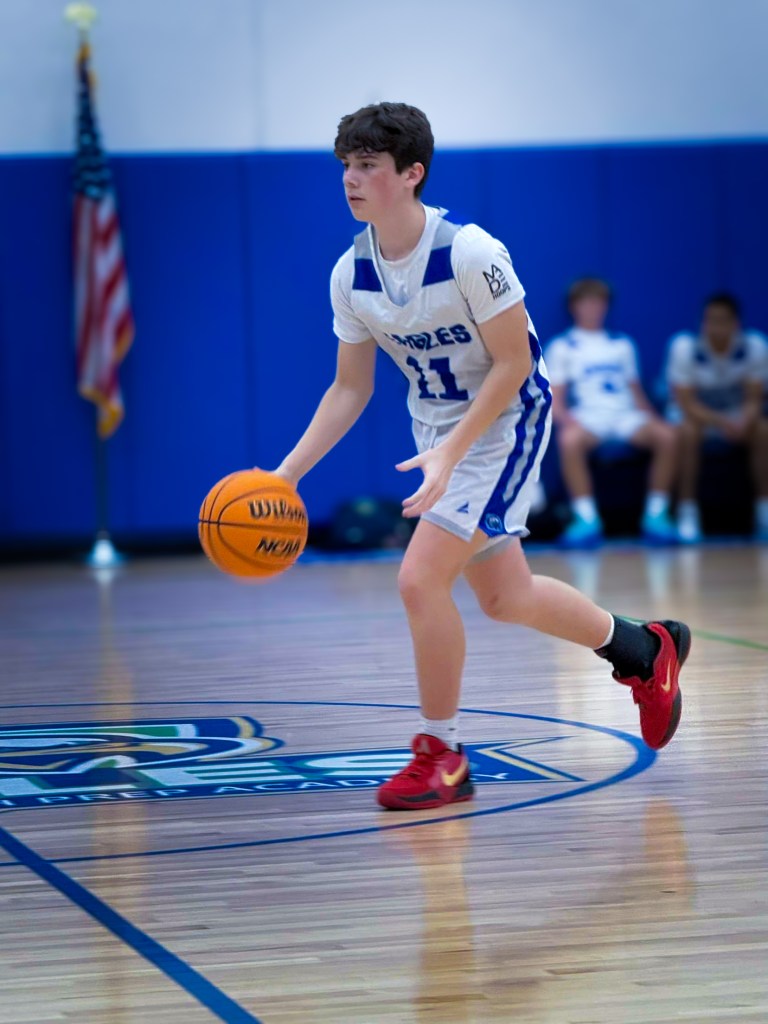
<point x="492" y="487"/>
<point x="611" y="425"/>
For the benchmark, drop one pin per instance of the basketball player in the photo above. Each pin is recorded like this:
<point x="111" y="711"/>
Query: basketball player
<point x="597" y="396"/>
<point x="445" y="303"/>
<point x="719" y="379"/>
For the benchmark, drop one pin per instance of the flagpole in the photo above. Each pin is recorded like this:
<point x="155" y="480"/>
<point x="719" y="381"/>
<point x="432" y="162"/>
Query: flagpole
<point x="103" y="554"/>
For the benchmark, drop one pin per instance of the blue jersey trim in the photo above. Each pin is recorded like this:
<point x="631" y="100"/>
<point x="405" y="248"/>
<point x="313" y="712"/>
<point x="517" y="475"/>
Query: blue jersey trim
<point x="498" y="503"/>
<point x="703" y="356"/>
<point x="366" y="279"/>
<point x="438" y="267"/>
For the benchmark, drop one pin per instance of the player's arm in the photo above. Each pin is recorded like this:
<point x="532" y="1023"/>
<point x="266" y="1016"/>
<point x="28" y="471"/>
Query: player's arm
<point x="561" y="414"/>
<point x="506" y="338"/>
<point x="339" y="409"/>
<point x="680" y="376"/>
<point x="560" y="373"/>
<point x="738" y="426"/>
<point x="632" y="377"/>
<point x="743" y="420"/>
<point x="641" y="399"/>
<point x="753" y="401"/>
<point x="697" y="411"/>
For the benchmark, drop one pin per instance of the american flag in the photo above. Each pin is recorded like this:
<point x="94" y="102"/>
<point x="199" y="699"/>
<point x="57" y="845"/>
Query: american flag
<point x="103" y="318"/>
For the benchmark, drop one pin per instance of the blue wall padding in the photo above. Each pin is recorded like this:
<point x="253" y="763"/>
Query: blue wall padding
<point x="229" y="258"/>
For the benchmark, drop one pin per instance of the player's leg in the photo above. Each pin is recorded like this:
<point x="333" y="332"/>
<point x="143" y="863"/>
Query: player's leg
<point x="758" y="445"/>
<point x="645" y="657"/>
<point x="439" y="771"/>
<point x="659" y="438"/>
<point x="574" y="443"/>
<point x="508" y="592"/>
<point x="689" y="439"/>
<point x="431" y="565"/>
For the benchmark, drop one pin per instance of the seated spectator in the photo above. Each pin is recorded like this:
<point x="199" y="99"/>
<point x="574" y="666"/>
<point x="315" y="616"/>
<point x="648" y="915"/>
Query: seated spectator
<point x="597" y="397"/>
<point x="719" y="380"/>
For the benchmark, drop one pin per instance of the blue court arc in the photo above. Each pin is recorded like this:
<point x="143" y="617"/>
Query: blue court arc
<point x="643" y="758"/>
<point x="221" y="1005"/>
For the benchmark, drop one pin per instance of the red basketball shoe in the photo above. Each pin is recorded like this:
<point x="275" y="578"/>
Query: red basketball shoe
<point x="659" y="697"/>
<point x="436" y="776"/>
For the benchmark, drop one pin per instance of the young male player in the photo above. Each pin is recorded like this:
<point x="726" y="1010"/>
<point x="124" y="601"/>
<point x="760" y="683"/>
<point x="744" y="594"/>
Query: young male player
<point x="719" y="380"/>
<point x="444" y="302"/>
<point x="597" y="396"/>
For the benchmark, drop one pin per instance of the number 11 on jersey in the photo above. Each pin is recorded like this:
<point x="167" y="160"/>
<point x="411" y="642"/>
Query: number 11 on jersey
<point x="442" y="367"/>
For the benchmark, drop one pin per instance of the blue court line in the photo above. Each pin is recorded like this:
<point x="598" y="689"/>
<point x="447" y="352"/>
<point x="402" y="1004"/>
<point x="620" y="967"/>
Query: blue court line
<point x="177" y="970"/>
<point x="639" y="765"/>
<point x="644" y="758"/>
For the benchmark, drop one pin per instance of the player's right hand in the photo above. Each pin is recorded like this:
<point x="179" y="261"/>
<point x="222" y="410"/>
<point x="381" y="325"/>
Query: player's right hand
<point x="436" y="465"/>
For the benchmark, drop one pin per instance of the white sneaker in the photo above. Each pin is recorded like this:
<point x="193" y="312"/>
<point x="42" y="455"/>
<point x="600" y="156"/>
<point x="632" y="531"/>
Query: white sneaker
<point x="689" y="526"/>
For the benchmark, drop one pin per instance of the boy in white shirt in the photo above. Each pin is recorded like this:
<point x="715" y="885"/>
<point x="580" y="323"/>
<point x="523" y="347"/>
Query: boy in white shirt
<point x="719" y="381"/>
<point x="443" y="300"/>
<point x="597" y="397"/>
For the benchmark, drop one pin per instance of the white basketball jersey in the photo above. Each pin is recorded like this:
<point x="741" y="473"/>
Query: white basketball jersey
<point x="433" y="337"/>
<point x="718" y="378"/>
<point x="597" y="367"/>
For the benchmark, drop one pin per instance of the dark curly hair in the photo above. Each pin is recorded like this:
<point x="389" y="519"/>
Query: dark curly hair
<point x="395" y="128"/>
<point x="724" y="299"/>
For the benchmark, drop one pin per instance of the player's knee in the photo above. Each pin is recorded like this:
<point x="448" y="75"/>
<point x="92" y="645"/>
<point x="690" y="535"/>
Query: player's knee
<point x="504" y="605"/>
<point x="415" y="584"/>
<point x="665" y="436"/>
<point x="571" y="439"/>
<point x="760" y="433"/>
<point x="688" y="432"/>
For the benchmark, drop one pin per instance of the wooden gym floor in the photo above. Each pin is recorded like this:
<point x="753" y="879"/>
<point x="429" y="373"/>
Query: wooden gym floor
<point x="190" y="834"/>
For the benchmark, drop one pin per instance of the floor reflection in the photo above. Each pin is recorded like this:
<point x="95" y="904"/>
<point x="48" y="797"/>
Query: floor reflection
<point x="471" y="970"/>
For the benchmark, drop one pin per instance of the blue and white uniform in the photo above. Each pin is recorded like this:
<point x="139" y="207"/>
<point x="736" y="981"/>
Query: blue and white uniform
<point x="424" y="311"/>
<point x="718" y="379"/>
<point x="598" y="368"/>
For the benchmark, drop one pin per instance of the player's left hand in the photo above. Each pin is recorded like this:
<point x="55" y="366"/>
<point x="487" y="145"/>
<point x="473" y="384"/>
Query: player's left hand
<point x="436" y="465"/>
<point x="736" y="427"/>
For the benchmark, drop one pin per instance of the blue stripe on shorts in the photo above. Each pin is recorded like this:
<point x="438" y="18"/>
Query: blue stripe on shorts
<point x="518" y="467"/>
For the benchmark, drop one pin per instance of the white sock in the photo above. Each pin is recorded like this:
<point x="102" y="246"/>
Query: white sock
<point x="761" y="513"/>
<point x="585" y="508"/>
<point x="610" y="635"/>
<point x="688" y="511"/>
<point x="445" y="729"/>
<point x="656" y="504"/>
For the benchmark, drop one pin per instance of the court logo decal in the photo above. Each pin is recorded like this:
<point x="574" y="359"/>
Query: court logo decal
<point x="88" y="762"/>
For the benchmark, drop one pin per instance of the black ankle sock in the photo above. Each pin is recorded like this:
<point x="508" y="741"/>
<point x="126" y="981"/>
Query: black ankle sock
<point x="632" y="650"/>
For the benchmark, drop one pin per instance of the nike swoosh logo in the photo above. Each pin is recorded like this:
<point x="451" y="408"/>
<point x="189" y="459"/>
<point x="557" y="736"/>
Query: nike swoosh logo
<point x="452" y="778"/>
<point x="667" y="686"/>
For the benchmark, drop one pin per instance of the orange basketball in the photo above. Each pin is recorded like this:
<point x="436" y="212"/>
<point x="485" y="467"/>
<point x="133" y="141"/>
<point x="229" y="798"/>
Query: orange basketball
<point x="253" y="523"/>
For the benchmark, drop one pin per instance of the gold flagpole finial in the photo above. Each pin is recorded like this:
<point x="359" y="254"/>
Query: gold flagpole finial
<point x="82" y="15"/>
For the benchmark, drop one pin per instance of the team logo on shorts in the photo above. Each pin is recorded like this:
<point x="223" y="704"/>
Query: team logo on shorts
<point x="494" y="523"/>
<point x="496" y="281"/>
<point x="158" y="759"/>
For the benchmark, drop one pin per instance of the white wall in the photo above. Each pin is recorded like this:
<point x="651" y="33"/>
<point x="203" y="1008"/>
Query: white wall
<point x="277" y="74"/>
